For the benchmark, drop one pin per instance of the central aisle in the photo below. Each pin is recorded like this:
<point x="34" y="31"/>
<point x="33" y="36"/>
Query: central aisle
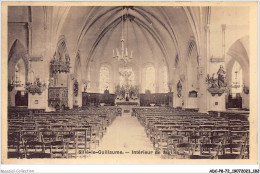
<point x="125" y="134"/>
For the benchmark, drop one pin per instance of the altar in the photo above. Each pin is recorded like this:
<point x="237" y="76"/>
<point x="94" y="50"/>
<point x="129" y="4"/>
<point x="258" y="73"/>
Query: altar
<point x="127" y="103"/>
<point x="127" y="106"/>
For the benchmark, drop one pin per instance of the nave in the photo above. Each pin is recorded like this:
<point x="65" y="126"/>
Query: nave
<point x="116" y="133"/>
<point x="126" y="134"/>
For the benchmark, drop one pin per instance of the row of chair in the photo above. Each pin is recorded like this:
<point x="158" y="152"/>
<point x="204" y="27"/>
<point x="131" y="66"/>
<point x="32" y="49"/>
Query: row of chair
<point x="188" y="134"/>
<point x="66" y="134"/>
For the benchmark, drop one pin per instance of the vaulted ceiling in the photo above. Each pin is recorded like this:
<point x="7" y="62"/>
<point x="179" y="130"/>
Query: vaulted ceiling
<point x="153" y="33"/>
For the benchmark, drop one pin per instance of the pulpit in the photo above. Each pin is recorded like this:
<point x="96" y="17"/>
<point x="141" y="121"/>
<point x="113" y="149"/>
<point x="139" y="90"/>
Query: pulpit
<point x="58" y="97"/>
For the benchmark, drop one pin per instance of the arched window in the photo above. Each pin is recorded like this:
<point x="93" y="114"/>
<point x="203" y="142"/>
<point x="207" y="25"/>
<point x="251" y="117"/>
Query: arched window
<point x="127" y="76"/>
<point x="149" y="79"/>
<point x="163" y="79"/>
<point x="19" y="75"/>
<point x="104" y="79"/>
<point x="237" y="81"/>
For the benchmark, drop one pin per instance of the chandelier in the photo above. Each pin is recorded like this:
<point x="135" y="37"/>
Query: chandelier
<point x="36" y="87"/>
<point x="14" y="84"/>
<point x="124" y="55"/>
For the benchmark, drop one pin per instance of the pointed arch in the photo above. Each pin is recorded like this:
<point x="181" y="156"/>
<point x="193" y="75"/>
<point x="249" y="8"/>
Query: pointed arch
<point x="61" y="49"/>
<point x="16" y="53"/>
<point x="236" y="78"/>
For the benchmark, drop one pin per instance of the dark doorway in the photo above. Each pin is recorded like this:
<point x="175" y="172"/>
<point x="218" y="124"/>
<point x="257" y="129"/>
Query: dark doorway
<point x="21" y="98"/>
<point x="234" y="101"/>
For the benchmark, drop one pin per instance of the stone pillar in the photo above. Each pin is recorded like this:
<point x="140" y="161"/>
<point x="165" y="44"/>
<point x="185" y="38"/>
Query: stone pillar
<point x="77" y="100"/>
<point x="216" y="102"/>
<point x="29" y="38"/>
<point x="39" y="69"/>
<point x="223" y="40"/>
<point x="70" y="91"/>
<point x="11" y="97"/>
<point x="157" y="81"/>
<point x="203" y="94"/>
<point x="176" y="99"/>
<point x="49" y="50"/>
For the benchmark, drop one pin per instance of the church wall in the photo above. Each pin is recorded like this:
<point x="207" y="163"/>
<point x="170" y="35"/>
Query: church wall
<point x="38" y="32"/>
<point x="18" y="17"/>
<point x="19" y="32"/>
<point x="233" y="22"/>
<point x="236" y="20"/>
<point x="192" y="78"/>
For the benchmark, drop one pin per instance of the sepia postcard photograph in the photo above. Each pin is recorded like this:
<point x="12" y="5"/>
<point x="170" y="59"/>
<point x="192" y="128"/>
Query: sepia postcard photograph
<point x="129" y="83"/>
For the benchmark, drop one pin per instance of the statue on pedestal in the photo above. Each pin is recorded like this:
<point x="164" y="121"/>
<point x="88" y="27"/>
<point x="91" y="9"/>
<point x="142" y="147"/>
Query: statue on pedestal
<point x="221" y="77"/>
<point x="179" y="88"/>
<point x="217" y="85"/>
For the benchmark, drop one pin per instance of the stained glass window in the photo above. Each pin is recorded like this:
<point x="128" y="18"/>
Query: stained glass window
<point x="163" y="79"/>
<point x="149" y="80"/>
<point x="104" y="79"/>
<point x="20" y="74"/>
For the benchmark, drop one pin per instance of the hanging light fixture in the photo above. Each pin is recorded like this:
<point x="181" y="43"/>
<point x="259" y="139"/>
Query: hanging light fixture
<point x="124" y="55"/>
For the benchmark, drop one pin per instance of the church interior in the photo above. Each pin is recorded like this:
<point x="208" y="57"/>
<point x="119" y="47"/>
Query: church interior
<point x="155" y="82"/>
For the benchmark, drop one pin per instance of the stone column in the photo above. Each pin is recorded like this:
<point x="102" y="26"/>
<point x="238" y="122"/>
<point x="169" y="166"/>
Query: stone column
<point x="218" y="103"/>
<point x="70" y="91"/>
<point x="223" y="40"/>
<point x="29" y="37"/>
<point x="157" y="81"/>
<point x="203" y="94"/>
